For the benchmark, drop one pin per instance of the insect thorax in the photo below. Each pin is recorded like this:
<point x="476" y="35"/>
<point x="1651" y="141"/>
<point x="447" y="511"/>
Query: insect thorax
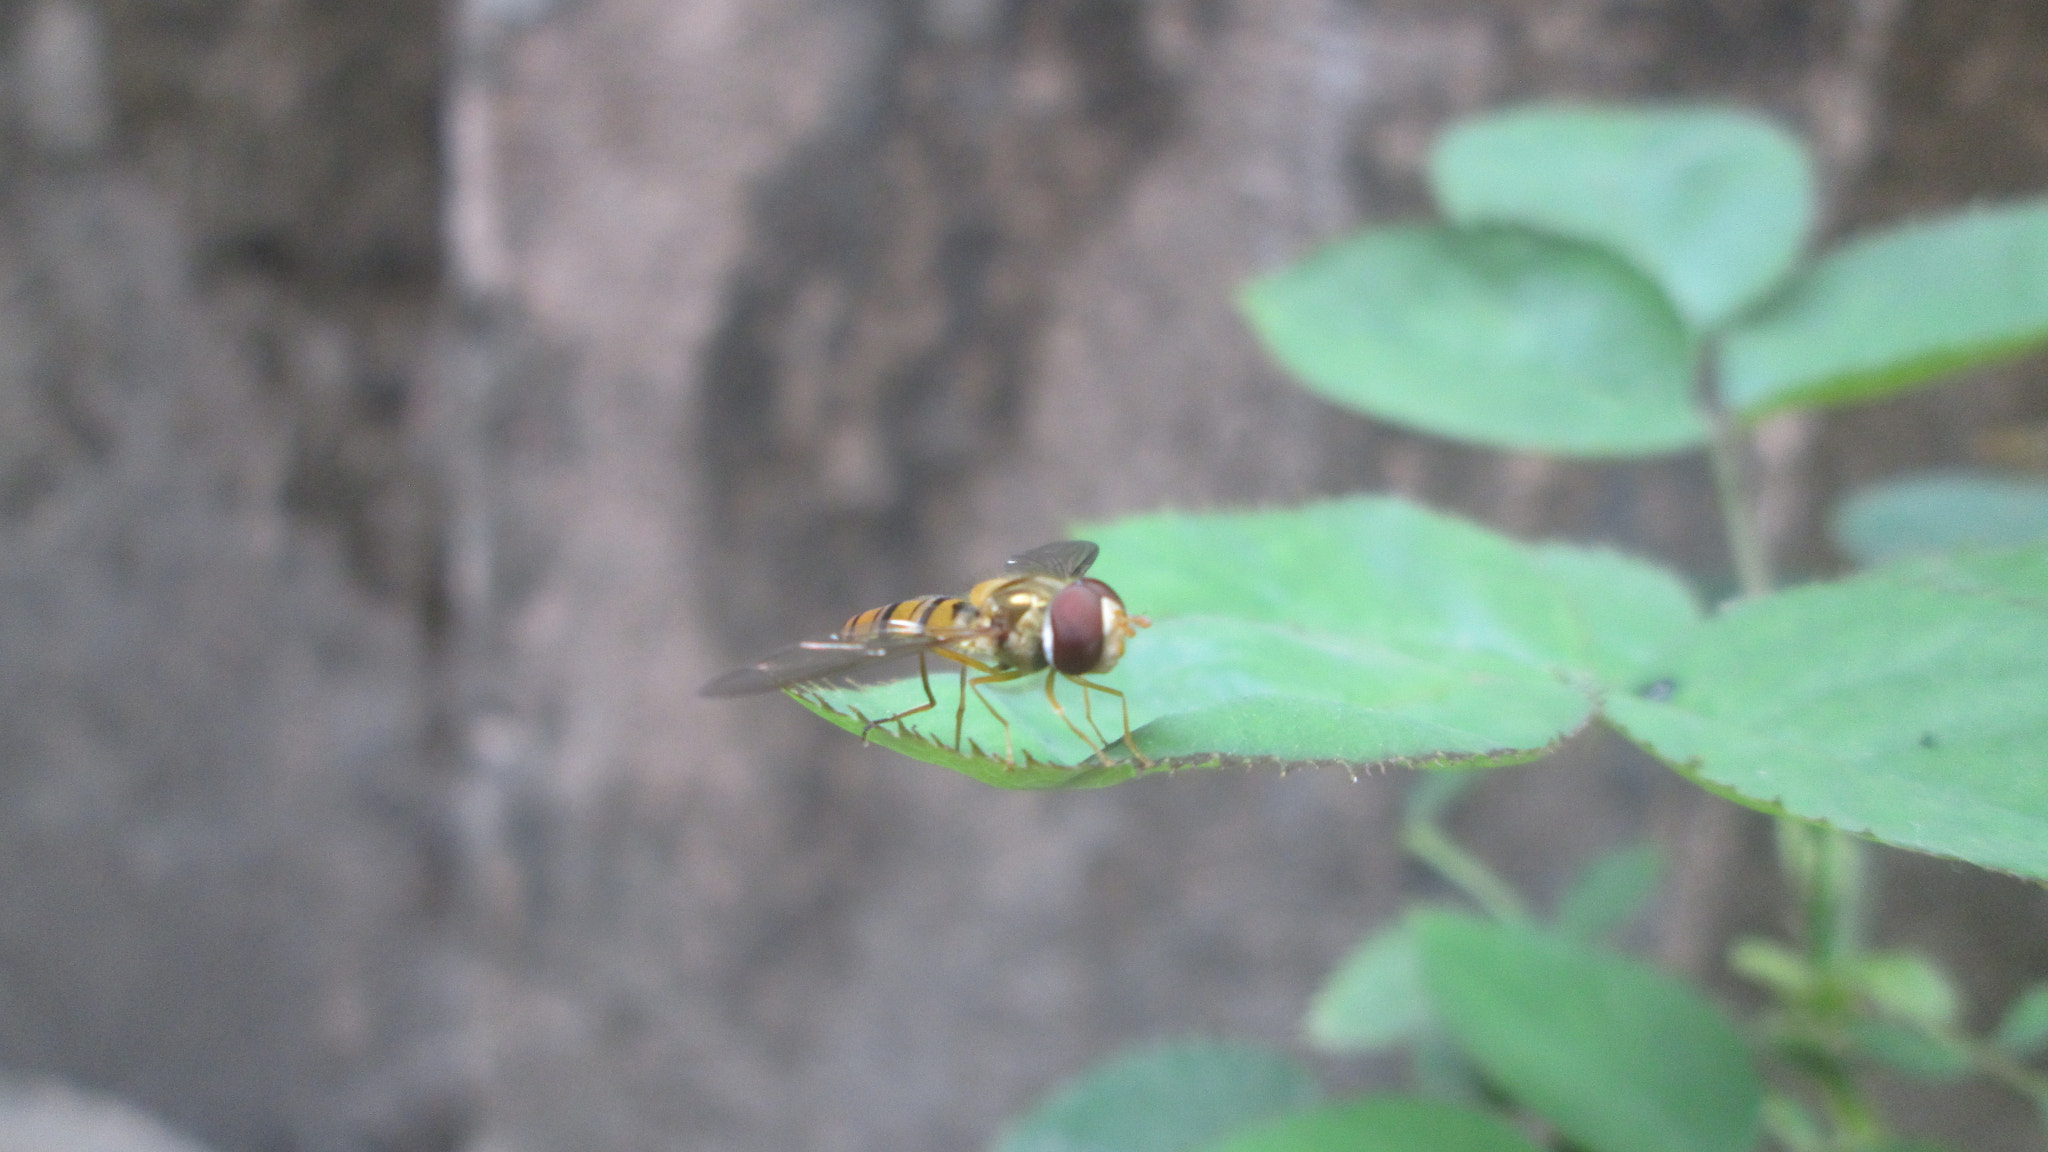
<point x="1017" y="605"/>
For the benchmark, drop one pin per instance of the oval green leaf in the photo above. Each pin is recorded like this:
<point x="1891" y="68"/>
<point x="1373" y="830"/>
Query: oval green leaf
<point x="1205" y="690"/>
<point x="1905" y="1048"/>
<point x="1788" y="973"/>
<point x="1909" y="986"/>
<point x="2023" y="1030"/>
<point x="1173" y="1098"/>
<point x="1908" y="704"/>
<point x="1249" y="690"/>
<point x="1381" y="1124"/>
<point x="1616" y="1055"/>
<point x="1382" y="568"/>
<point x="1791" y="1125"/>
<point x="1893" y="310"/>
<point x="1939" y="512"/>
<point x="1495" y="335"/>
<point x="1610" y="892"/>
<point x="1374" y="1000"/>
<point x="1360" y="631"/>
<point x="1713" y="204"/>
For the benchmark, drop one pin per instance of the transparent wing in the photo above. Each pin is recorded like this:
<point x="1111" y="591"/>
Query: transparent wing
<point x="812" y="660"/>
<point x="1066" y="559"/>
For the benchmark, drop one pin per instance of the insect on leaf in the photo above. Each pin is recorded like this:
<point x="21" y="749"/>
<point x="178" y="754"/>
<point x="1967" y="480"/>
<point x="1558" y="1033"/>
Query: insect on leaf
<point x="1356" y="631"/>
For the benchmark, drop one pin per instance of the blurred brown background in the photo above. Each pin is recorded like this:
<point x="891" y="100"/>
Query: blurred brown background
<point x="404" y="406"/>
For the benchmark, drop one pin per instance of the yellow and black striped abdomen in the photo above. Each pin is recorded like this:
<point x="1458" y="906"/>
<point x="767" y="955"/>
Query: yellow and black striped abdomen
<point x="926" y="614"/>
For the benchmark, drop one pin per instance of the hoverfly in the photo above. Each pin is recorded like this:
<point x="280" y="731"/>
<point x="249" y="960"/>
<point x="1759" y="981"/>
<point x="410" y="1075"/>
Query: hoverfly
<point x="1042" y="615"/>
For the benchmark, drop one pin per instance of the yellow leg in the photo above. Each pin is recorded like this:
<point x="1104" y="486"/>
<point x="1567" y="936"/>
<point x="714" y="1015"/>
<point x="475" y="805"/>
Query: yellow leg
<point x="1088" y="709"/>
<point x="1130" y="741"/>
<point x="1009" y="747"/>
<point x="1098" y="746"/>
<point x="960" y="714"/>
<point x="930" y="702"/>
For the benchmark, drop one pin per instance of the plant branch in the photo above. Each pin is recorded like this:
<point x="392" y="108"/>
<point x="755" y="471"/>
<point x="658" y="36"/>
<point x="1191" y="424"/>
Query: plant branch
<point x="1466" y="872"/>
<point x="1824" y="864"/>
<point x="1729" y="451"/>
<point x="2010" y="1072"/>
<point x="1856" y="1124"/>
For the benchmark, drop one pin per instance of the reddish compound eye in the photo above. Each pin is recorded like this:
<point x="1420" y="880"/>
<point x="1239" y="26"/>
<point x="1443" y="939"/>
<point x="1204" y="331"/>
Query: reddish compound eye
<point x="1073" y="627"/>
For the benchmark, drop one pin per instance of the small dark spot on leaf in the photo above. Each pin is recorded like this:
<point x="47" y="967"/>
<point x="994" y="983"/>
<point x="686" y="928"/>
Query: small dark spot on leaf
<point x="1927" y="740"/>
<point x="1659" y="689"/>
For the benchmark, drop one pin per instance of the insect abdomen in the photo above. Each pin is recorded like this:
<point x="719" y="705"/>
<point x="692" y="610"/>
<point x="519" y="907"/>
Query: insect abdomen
<point x="924" y="614"/>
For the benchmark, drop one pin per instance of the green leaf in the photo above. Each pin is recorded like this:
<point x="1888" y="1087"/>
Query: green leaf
<point x="1713" y="204"/>
<point x="1257" y="691"/>
<point x="1040" y="752"/>
<point x="1790" y="1124"/>
<point x="1203" y="689"/>
<point x="1495" y="335"/>
<point x="1772" y="965"/>
<point x="1166" y="1099"/>
<point x="1939" y="512"/>
<point x="1360" y="631"/>
<point x="1908" y="704"/>
<point x="1908" y="986"/>
<point x="2024" y="1030"/>
<point x="1888" y="311"/>
<point x="1909" y="1049"/>
<point x="1610" y="892"/>
<point x="1616" y="1055"/>
<point x="1375" y="998"/>
<point x="1437" y="1069"/>
<point x="1381" y="1124"/>
<point x="1380" y="568"/>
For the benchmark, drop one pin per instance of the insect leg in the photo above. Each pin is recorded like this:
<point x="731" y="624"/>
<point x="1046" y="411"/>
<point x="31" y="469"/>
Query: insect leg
<point x="960" y="714"/>
<point x="1009" y="747"/>
<point x="1130" y="741"/>
<point x="1088" y="709"/>
<point x="1101" y="753"/>
<point x="930" y="702"/>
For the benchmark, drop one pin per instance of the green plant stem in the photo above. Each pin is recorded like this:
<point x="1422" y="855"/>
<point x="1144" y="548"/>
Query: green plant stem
<point x="1856" y="1123"/>
<point x="1729" y="449"/>
<point x="1827" y="871"/>
<point x="2010" y="1072"/>
<point x="1830" y="893"/>
<point x="1466" y="872"/>
<point x="1728" y="453"/>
